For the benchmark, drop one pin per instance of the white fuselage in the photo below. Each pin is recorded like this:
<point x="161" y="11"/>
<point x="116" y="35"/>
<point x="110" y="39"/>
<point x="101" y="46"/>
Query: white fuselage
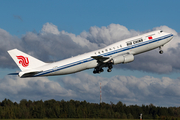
<point x="134" y="45"/>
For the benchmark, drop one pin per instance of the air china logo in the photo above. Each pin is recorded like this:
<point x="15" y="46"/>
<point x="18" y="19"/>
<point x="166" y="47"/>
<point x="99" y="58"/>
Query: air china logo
<point x="23" y="60"/>
<point x="150" y="37"/>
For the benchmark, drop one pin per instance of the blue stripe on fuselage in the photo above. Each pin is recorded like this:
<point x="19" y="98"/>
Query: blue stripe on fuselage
<point x="105" y="54"/>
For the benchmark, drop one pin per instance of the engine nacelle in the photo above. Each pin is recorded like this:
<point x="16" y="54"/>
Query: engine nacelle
<point x="123" y="59"/>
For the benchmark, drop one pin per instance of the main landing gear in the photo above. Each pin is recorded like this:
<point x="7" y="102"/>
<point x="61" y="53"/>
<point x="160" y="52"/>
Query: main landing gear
<point x="109" y="68"/>
<point x="160" y="50"/>
<point x="99" y="70"/>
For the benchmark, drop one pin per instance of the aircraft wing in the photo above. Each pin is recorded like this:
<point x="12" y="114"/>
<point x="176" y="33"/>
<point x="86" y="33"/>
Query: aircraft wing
<point x="101" y="58"/>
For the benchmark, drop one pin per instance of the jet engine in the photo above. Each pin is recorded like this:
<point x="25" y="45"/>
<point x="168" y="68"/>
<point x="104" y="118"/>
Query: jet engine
<point x="123" y="59"/>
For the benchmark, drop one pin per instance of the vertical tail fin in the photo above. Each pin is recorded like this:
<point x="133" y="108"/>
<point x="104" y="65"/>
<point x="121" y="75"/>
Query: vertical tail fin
<point x="24" y="61"/>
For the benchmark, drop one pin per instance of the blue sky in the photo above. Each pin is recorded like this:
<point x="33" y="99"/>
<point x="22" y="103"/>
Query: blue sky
<point x="23" y="22"/>
<point x="76" y="16"/>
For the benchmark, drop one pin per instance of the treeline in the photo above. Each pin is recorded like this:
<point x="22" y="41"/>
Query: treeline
<point x="76" y="109"/>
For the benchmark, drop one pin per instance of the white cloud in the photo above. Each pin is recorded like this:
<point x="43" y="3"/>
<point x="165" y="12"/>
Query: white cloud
<point x="107" y="35"/>
<point x="50" y="28"/>
<point x="15" y="88"/>
<point x="129" y="90"/>
<point x="82" y="86"/>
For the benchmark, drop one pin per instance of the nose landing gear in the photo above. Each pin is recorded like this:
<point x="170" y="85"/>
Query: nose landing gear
<point x="160" y="50"/>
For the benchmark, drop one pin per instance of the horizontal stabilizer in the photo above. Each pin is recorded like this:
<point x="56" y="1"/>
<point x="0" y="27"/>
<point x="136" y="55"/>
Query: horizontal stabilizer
<point x="13" y="74"/>
<point x="28" y="73"/>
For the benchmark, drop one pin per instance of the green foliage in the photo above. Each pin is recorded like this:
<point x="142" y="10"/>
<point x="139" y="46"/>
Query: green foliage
<point x="76" y="109"/>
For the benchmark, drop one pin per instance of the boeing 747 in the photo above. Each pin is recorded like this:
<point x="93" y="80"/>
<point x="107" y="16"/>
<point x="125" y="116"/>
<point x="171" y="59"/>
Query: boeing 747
<point x="117" y="53"/>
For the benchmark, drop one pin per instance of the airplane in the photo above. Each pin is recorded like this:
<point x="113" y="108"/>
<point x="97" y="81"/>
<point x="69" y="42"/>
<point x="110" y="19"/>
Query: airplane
<point x="118" y="53"/>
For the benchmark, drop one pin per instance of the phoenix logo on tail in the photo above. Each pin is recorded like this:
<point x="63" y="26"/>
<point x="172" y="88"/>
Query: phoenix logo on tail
<point x="23" y="60"/>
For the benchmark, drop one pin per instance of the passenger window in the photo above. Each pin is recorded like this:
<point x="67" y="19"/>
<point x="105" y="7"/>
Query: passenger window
<point x="137" y="41"/>
<point x="120" y="46"/>
<point x="99" y="52"/>
<point x="129" y="43"/>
